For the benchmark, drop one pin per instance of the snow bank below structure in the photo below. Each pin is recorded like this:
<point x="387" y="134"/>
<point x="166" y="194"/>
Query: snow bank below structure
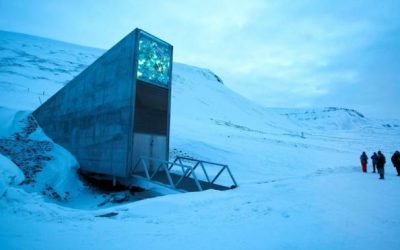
<point x="28" y="157"/>
<point x="10" y="175"/>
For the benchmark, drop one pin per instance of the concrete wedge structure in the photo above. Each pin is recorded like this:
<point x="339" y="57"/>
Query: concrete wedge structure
<point x="117" y="109"/>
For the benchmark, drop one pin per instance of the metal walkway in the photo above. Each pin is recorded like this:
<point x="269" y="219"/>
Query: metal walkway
<point x="185" y="174"/>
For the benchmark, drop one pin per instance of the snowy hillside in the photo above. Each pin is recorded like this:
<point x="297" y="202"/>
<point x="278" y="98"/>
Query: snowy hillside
<point x="210" y="121"/>
<point x="297" y="169"/>
<point x="32" y="69"/>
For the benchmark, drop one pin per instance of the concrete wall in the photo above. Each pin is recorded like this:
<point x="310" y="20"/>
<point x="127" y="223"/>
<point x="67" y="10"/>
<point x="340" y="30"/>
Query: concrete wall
<point x="92" y="116"/>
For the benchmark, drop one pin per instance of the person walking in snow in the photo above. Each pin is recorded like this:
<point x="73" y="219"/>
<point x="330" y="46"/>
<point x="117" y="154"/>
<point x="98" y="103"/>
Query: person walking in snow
<point x="374" y="159"/>
<point x="364" y="161"/>
<point x="396" y="161"/>
<point x="380" y="165"/>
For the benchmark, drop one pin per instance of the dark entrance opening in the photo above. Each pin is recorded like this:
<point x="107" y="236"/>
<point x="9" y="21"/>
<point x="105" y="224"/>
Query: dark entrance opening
<point x="151" y="109"/>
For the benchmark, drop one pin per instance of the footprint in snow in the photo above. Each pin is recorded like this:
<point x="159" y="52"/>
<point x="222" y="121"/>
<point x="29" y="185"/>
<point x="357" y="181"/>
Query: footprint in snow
<point x="150" y="221"/>
<point x="267" y="211"/>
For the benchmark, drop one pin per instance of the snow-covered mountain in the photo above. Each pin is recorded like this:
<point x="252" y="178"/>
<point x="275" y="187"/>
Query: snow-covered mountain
<point x="274" y="153"/>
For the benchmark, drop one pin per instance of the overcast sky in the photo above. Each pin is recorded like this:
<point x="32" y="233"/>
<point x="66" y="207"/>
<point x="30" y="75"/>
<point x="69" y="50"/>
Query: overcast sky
<point x="308" y="53"/>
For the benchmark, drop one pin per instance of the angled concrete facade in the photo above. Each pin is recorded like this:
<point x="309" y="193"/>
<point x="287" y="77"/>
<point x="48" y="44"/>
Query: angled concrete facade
<point x="117" y="109"/>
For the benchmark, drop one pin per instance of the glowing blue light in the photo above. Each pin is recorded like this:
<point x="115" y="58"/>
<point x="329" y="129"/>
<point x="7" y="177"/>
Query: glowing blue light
<point x="154" y="61"/>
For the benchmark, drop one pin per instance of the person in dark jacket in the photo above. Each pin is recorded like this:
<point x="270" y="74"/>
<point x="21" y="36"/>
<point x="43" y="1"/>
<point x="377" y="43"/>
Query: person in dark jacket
<point x="364" y="161"/>
<point x="374" y="159"/>
<point x="396" y="161"/>
<point x="380" y="165"/>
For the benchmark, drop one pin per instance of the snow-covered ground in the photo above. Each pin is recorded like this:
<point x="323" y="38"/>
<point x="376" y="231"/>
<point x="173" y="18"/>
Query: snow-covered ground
<point x="300" y="184"/>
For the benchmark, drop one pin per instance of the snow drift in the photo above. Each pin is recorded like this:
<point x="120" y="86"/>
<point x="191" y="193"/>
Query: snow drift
<point x="46" y="167"/>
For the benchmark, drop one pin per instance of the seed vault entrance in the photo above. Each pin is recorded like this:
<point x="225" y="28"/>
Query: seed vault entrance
<point x="114" y="117"/>
<point x="117" y="109"/>
<point x="151" y="126"/>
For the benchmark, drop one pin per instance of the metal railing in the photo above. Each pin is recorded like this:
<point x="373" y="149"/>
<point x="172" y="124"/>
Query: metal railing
<point x="196" y="163"/>
<point x="187" y="166"/>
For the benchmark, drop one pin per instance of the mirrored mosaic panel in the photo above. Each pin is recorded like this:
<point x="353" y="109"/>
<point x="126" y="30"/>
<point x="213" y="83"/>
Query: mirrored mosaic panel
<point x="154" y="60"/>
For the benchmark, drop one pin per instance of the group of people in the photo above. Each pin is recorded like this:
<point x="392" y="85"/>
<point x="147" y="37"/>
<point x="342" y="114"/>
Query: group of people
<point x="378" y="163"/>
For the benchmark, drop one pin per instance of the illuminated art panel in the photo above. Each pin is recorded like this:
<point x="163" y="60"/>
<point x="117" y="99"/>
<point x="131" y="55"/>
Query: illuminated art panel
<point x="154" y="60"/>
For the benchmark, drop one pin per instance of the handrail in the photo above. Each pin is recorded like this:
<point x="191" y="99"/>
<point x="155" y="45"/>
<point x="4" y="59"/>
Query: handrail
<point x="167" y="165"/>
<point x="202" y="162"/>
<point x="187" y="170"/>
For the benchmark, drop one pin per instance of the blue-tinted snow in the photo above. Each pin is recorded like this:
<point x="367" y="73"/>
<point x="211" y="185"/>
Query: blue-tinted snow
<point x="300" y="182"/>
